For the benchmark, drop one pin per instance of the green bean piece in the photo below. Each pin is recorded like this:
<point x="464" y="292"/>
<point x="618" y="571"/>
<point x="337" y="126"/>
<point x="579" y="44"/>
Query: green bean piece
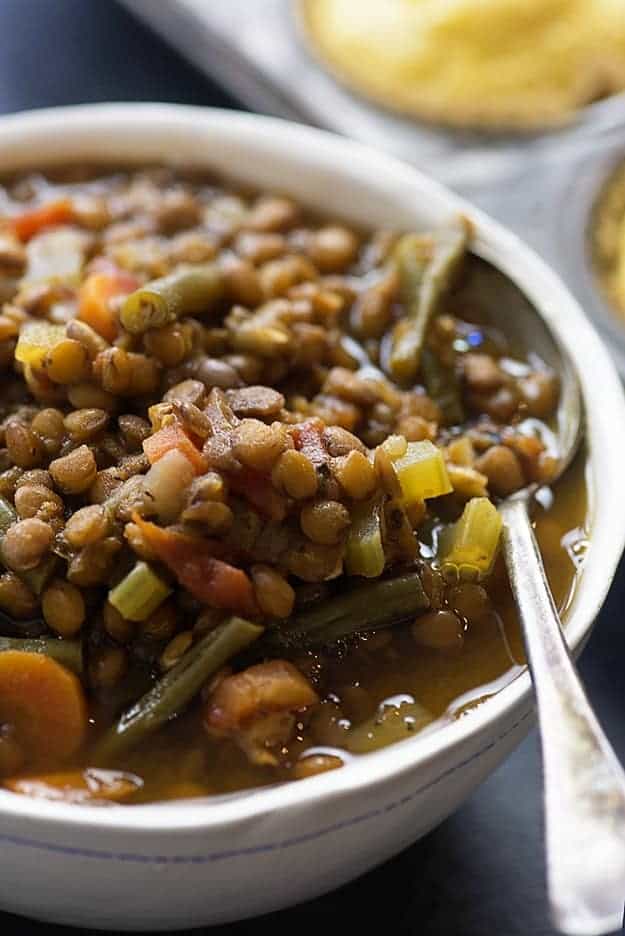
<point x="173" y="692"/>
<point x="361" y="608"/>
<point x="426" y="266"/>
<point x="66" y="652"/>
<point x="7" y="515"/>
<point x="442" y="385"/>
<point x="187" y="291"/>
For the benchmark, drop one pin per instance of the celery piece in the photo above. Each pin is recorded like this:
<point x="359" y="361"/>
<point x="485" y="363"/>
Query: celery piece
<point x="421" y="472"/>
<point x="7" y="515"/>
<point x="364" y="553"/>
<point x="139" y="593"/>
<point x="35" y="340"/>
<point x="469" y="549"/>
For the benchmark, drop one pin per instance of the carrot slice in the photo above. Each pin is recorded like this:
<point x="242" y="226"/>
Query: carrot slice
<point x="174" y="545"/>
<point x="173" y="436"/>
<point x="194" y="564"/>
<point x="30" y="222"/>
<point x="260" y="492"/>
<point x="91" y="785"/>
<point x="94" y="297"/>
<point x="44" y="703"/>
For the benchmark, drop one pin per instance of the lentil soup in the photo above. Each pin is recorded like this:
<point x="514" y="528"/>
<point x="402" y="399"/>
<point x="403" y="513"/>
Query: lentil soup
<point x="249" y="471"/>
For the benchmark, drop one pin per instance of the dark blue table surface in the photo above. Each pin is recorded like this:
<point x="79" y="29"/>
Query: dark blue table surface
<point x="481" y="873"/>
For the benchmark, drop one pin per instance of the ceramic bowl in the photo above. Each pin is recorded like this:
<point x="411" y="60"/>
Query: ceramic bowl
<point x="192" y="863"/>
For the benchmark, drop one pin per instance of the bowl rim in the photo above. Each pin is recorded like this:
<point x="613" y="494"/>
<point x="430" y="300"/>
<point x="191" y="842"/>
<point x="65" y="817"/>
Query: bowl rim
<point x="604" y="401"/>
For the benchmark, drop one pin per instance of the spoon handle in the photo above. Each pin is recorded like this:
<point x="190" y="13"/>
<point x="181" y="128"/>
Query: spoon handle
<point x="584" y="784"/>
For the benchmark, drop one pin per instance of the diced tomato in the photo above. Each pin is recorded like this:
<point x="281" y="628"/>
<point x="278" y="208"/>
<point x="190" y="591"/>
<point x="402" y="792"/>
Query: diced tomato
<point x="173" y="436"/>
<point x="30" y="222"/>
<point x="260" y="492"/>
<point x="194" y="563"/>
<point x="307" y="439"/>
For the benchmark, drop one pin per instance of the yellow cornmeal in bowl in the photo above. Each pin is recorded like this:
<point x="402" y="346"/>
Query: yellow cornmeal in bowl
<point x="516" y="64"/>
<point x="608" y="238"/>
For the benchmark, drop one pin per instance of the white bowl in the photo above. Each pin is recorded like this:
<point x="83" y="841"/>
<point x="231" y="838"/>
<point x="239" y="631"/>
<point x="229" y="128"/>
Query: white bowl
<point x="184" y="864"/>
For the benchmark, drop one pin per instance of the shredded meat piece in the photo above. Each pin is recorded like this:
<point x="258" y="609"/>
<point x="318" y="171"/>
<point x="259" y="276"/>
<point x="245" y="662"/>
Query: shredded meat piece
<point x="256" y="707"/>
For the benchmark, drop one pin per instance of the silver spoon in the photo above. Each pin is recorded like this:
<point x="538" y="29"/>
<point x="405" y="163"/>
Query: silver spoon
<point x="584" y="783"/>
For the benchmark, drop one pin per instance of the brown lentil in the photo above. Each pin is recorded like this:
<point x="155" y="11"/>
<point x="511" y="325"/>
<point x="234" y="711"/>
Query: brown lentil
<point x="324" y="522"/>
<point x="35" y="476"/>
<point x="189" y="391"/>
<point x="49" y="425"/>
<point x="162" y="624"/>
<point x="63" y="608"/>
<point x="241" y="281"/>
<point x="469" y="601"/>
<point x="261" y="402"/>
<point x="539" y="392"/>
<point x="134" y="431"/>
<point x="339" y="441"/>
<point x="503" y="470"/>
<point x="215" y="517"/>
<point x="76" y="472"/>
<point x="30" y="498"/>
<point x="295" y="474"/>
<point x="85" y="424"/>
<point x="90" y="396"/>
<point x="87" y="525"/>
<point x="16" y="598"/>
<point x="257" y="445"/>
<point x="94" y="564"/>
<point x="117" y="627"/>
<point x="168" y="344"/>
<point x="67" y="362"/>
<point x="86" y="336"/>
<point x="315" y="764"/>
<point x="355" y="474"/>
<point x="272" y="213"/>
<point x="108" y="667"/>
<point x="25" y="544"/>
<point x="274" y="595"/>
<point x="113" y="368"/>
<point x="482" y="373"/>
<point x="24" y="447"/>
<point x="332" y="248"/>
<point x="439" y="630"/>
